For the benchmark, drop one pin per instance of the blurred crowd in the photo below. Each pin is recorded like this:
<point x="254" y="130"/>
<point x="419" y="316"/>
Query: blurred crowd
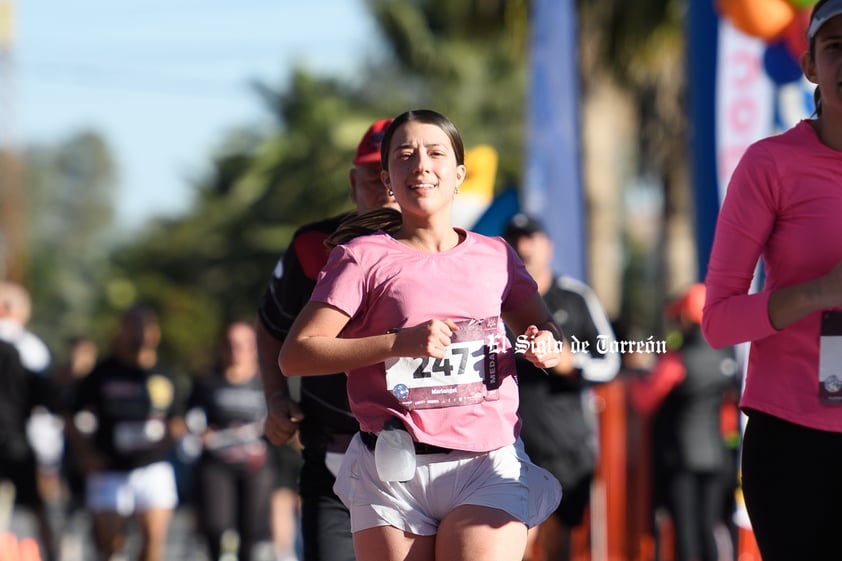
<point x="107" y="446"/>
<point x="68" y="430"/>
<point x="203" y="451"/>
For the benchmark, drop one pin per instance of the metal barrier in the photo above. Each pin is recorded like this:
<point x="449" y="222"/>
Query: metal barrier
<point x="621" y="524"/>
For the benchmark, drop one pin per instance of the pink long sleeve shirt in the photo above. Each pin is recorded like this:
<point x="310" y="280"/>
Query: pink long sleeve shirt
<point x="784" y="205"/>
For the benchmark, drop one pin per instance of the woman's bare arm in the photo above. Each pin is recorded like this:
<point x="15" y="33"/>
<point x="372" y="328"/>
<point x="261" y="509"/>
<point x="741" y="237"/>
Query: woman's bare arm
<point x="313" y="346"/>
<point x="534" y="321"/>
<point x="788" y="305"/>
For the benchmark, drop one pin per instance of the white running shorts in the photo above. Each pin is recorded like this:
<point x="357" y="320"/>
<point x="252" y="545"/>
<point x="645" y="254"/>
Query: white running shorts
<point x="505" y="479"/>
<point x="127" y="492"/>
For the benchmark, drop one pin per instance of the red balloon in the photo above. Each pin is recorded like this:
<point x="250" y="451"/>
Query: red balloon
<point x="795" y="34"/>
<point x="765" y="19"/>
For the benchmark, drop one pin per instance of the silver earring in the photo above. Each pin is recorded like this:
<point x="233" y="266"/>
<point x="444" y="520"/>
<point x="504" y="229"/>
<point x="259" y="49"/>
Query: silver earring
<point x="391" y="193"/>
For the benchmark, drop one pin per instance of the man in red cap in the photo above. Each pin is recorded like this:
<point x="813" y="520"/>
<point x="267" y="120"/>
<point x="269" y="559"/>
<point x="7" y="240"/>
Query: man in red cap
<point x="322" y="417"/>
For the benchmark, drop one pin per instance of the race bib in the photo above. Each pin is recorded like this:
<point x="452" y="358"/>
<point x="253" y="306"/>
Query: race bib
<point x="830" y="358"/>
<point x="466" y="375"/>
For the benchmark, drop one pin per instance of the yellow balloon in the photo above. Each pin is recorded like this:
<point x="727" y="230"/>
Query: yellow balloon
<point x="481" y="163"/>
<point x="477" y="190"/>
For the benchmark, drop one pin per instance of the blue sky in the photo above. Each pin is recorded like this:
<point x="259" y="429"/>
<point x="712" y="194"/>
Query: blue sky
<point x="163" y="80"/>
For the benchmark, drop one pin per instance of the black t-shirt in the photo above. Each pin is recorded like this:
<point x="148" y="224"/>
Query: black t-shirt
<point x="295" y="275"/>
<point x="13" y="390"/>
<point x="226" y="404"/>
<point x="686" y="428"/>
<point x="235" y="412"/>
<point x="324" y="399"/>
<point x="555" y="431"/>
<point x="14" y="403"/>
<point x="133" y="407"/>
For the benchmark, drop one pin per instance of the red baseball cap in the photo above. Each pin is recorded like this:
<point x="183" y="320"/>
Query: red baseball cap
<point x="368" y="151"/>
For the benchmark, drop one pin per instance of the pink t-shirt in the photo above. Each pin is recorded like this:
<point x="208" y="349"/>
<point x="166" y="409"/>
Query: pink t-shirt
<point x="784" y="204"/>
<point x="382" y="285"/>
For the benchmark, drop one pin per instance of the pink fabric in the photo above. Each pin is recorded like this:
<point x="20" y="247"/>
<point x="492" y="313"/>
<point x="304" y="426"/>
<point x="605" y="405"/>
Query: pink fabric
<point x="784" y="204"/>
<point x="383" y="284"/>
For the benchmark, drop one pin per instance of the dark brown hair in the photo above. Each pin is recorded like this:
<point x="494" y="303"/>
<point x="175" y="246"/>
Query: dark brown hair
<point x="386" y="219"/>
<point x="817" y="94"/>
<point x="428" y="117"/>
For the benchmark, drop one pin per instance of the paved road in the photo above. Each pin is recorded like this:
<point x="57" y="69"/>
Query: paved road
<point x="183" y="544"/>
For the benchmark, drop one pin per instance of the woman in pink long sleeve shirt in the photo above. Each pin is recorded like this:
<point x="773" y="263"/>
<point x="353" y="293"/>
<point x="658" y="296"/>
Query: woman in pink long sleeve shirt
<point x="784" y="205"/>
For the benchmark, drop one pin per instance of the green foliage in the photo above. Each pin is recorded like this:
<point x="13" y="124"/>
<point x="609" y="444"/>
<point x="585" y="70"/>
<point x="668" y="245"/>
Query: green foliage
<point x="70" y="191"/>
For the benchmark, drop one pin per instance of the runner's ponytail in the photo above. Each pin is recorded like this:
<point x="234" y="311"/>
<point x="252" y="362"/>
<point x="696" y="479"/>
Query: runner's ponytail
<point x="386" y="219"/>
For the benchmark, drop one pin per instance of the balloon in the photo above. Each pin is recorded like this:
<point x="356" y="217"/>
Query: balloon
<point x="765" y="19"/>
<point x="795" y="34"/>
<point x="482" y="161"/>
<point x="801" y="4"/>
<point x="780" y="65"/>
<point x="477" y="191"/>
<point x="502" y="208"/>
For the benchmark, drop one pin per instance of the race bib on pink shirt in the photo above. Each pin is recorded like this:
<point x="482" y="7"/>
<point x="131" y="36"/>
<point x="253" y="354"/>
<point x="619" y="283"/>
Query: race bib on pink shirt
<point x="467" y="374"/>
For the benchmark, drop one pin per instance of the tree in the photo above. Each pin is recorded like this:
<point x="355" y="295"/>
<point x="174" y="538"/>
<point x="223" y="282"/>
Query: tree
<point x="70" y="191"/>
<point x="634" y="88"/>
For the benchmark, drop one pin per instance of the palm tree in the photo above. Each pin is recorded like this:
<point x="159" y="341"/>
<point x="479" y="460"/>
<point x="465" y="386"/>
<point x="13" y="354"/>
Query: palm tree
<point x="634" y="89"/>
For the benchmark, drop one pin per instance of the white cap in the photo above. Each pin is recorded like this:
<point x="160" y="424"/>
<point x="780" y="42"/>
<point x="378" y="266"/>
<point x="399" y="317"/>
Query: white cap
<point x="828" y="10"/>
